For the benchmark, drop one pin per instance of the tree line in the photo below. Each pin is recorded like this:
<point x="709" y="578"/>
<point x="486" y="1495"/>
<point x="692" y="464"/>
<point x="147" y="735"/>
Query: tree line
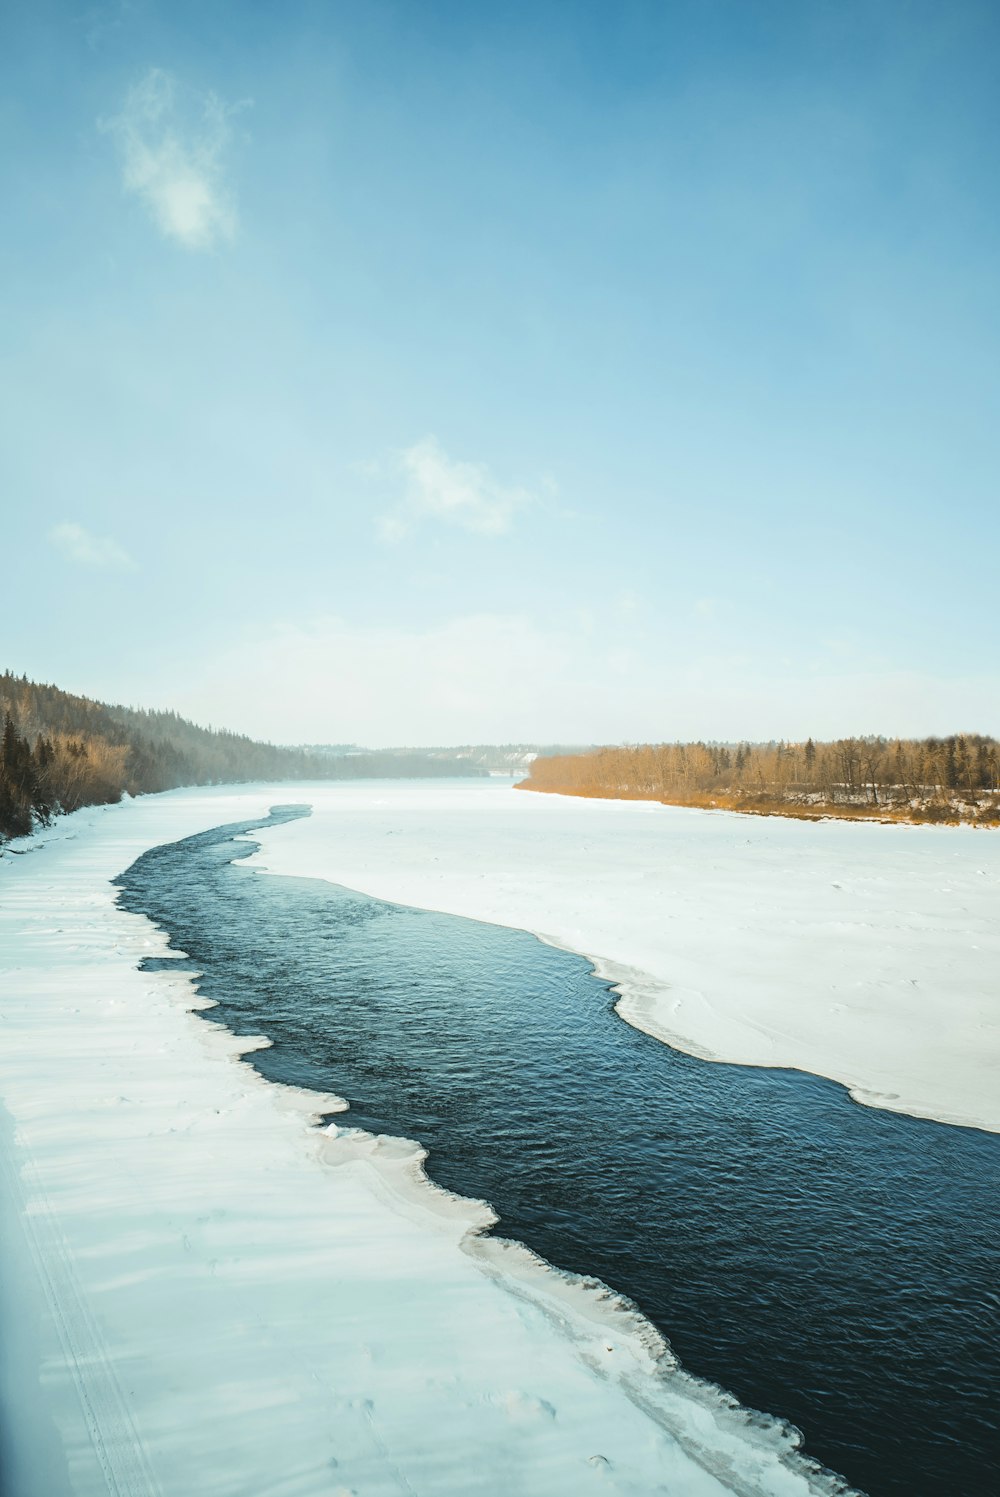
<point x="925" y="779"/>
<point x="59" y="752"/>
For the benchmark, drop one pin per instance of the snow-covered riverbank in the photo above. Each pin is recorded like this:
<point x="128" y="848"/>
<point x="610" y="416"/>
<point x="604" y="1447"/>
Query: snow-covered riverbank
<point x="865" y="953"/>
<point x="194" y="1301"/>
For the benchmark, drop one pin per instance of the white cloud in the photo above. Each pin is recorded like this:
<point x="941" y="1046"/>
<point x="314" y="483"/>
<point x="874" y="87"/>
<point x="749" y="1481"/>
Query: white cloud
<point x="173" y="144"/>
<point x="77" y="544"/>
<point x="439" y="487"/>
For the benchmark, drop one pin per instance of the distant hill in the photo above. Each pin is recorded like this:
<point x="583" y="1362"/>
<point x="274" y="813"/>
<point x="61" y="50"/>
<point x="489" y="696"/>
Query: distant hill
<point x="59" y="752"/>
<point x="500" y="758"/>
<point x="463" y="758"/>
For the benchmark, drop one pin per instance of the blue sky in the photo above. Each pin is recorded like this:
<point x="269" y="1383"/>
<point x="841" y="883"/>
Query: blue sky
<point x="440" y="372"/>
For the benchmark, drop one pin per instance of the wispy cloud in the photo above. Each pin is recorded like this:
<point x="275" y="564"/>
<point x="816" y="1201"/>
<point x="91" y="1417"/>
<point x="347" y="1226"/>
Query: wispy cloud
<point x="440" y="488"/>
<point x="173" y="144"/>
<point x="79" y="545"/>
<point x="99" y="22"/>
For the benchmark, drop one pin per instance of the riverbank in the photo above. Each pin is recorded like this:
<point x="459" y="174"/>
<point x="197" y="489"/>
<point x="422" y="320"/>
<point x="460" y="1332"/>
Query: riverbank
<point x="928" y="812"/>
<point x="941" y="781"/>
<point x="196" y="1302"/>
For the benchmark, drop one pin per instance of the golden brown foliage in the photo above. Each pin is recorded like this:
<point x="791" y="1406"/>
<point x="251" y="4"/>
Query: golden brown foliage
<point x="930" y="779"/>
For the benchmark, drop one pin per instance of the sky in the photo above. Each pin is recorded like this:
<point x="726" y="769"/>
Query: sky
<point x="426" y="373"/>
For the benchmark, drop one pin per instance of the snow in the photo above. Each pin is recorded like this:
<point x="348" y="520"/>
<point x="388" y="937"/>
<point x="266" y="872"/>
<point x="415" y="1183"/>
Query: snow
<point x="863" y="952"/>
<point x="203" y="1293"/>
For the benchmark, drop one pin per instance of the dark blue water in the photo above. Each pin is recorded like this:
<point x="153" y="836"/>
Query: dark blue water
<point x="836" y="1266"/>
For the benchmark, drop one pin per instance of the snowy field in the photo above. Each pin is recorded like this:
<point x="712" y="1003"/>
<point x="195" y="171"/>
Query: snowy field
<point x="866" y="953"/>
<point x="201" y="1294"/>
